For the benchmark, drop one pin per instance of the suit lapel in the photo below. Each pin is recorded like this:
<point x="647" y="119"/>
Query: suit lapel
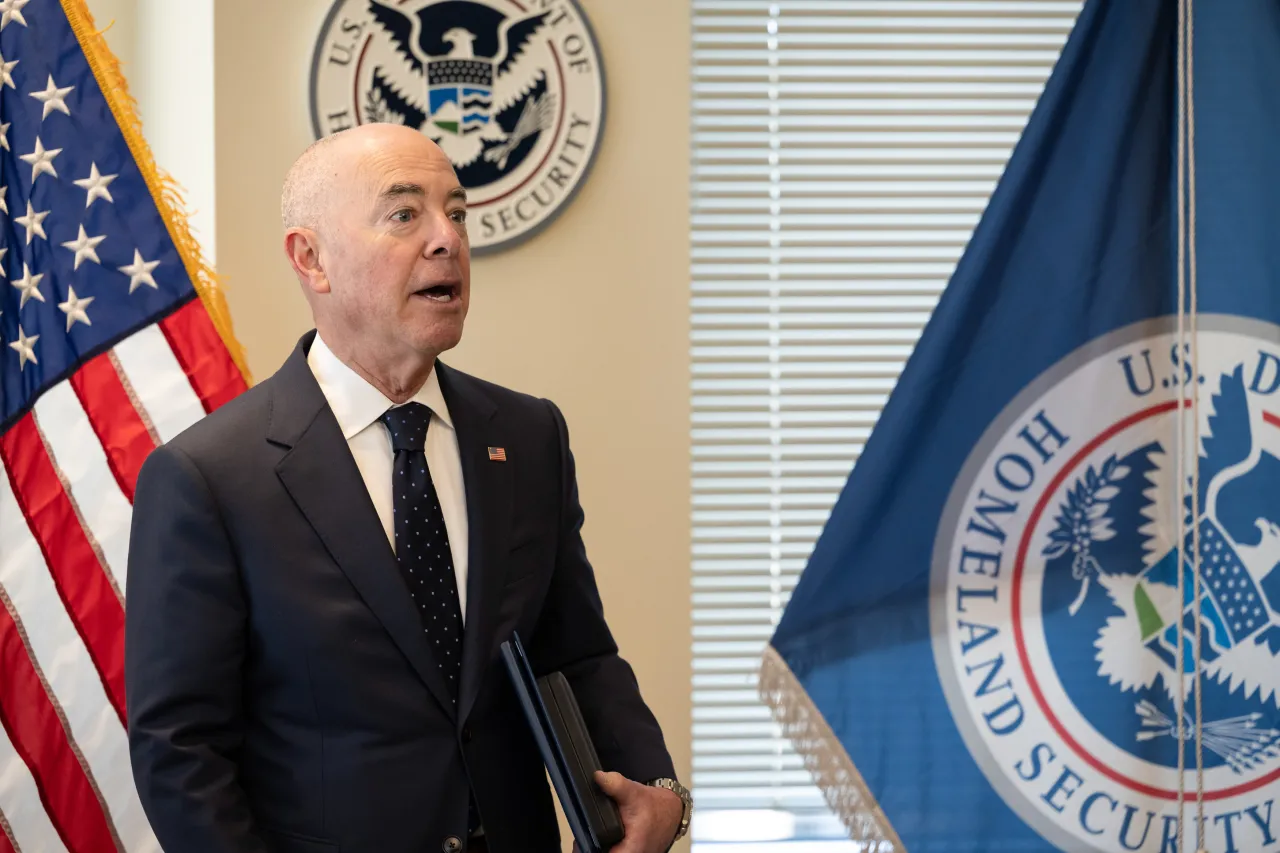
<point x="321" y="476"/>
<point x="489" y="489"/>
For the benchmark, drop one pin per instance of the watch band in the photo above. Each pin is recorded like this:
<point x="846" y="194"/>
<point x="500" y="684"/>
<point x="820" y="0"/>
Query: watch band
<point x="686" y="800"/>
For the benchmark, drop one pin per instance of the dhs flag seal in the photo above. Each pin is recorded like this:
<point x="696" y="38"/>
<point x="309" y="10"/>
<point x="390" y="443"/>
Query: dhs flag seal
<point x="1045" y="610"/>
<point x="1059" y="609"/>
<point x="513" y="92"/>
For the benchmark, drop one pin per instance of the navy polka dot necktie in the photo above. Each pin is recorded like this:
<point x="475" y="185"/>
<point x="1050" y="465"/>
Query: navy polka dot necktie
<point x="422" y="541"/>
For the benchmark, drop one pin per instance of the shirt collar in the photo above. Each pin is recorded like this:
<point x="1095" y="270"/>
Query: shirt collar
<point x="355" y="403"/>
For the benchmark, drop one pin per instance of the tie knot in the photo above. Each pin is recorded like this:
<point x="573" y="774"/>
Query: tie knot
<point x="408" y="426"/>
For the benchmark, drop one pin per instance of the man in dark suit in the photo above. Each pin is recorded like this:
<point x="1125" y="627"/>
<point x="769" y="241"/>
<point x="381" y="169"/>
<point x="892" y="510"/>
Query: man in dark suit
<point x="321" y="572"/>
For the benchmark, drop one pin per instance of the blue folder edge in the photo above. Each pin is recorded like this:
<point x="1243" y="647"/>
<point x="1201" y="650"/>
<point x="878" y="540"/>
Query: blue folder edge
<point x="553" y="755"/>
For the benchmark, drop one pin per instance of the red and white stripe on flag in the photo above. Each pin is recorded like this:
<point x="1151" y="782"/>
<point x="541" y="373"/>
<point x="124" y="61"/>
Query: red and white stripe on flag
<point x="69" y="470"/>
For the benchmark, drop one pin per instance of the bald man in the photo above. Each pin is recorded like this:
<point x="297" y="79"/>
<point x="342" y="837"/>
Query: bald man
<point x="321" y="572"/>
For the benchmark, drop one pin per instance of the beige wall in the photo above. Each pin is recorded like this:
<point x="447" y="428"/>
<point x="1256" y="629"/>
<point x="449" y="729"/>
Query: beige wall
<point x="118" y="19"/>
<point x="592" y="313"/>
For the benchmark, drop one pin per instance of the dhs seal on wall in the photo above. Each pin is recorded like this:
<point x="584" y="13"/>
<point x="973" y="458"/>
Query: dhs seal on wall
<point x="1065" y="615"/>
<point x="513" y="92"/>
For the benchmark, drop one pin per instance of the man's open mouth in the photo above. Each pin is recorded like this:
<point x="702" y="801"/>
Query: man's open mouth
<point x="440" y="292"/>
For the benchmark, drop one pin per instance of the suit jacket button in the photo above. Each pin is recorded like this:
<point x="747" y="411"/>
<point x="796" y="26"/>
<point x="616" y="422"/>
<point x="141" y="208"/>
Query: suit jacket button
<point x="452" y="844"/>
<point x="466" y="734"/>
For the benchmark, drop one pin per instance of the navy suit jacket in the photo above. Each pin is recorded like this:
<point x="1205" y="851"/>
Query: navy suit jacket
<point x="281" y="694"/>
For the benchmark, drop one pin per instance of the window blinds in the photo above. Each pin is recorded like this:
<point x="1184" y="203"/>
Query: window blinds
<point x="842" y="153"/>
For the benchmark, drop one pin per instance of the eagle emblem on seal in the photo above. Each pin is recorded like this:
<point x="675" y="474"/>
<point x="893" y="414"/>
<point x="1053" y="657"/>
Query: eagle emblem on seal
<point x="464" y="67"/>
<point x="1221" y="619"/>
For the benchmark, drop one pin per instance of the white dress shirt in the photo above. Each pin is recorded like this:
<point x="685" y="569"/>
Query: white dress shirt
<point x="357" y="405"/>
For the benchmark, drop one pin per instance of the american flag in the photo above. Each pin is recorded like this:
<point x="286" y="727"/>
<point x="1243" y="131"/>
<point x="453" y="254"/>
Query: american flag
<point x="112" y="340"/>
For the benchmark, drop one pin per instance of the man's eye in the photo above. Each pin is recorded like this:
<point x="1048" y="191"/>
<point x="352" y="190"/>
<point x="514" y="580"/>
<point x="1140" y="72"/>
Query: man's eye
<point x="458" y="216"/>
<point x="402" y="215"/>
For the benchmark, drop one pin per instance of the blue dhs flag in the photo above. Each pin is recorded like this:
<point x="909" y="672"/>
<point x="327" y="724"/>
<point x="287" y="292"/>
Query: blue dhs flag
<point x="1053" y="578"/>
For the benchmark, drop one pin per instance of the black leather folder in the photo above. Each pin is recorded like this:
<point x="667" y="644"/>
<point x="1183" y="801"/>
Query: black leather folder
<point x="552" y="711"/>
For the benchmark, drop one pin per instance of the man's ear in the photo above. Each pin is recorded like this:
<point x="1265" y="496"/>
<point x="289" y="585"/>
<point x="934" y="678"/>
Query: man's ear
<point x="302" y="247"/>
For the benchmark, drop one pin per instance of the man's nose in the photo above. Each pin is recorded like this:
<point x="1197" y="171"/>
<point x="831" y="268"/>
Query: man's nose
<point x="445" y="241"/>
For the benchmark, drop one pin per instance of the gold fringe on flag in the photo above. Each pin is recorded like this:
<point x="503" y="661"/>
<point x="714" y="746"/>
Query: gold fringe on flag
<point x="165" y="192"/>
<point x="833" y="771"/>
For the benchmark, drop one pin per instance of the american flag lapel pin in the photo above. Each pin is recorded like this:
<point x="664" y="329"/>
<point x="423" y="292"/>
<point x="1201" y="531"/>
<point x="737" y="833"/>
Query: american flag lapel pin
<point x="497" y="454"/>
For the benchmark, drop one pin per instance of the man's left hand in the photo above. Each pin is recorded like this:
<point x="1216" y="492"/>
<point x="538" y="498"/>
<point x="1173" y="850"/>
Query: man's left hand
<point x="650" y="816"/>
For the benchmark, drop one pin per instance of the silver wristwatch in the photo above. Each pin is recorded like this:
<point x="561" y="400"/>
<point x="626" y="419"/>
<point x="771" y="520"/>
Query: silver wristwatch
<point x="685" y="798"/>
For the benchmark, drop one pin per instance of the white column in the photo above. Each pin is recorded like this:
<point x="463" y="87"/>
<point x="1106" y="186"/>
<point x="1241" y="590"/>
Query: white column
<point x="172" y="78"/>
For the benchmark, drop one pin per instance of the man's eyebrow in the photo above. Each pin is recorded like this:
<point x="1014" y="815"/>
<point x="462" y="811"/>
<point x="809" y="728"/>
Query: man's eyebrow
<point x="397" y="190"/>
<point x="458" y="193"/>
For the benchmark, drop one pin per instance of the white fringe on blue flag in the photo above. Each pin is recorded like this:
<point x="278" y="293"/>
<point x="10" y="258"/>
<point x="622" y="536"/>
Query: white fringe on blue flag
<point x="833" y="771"/>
